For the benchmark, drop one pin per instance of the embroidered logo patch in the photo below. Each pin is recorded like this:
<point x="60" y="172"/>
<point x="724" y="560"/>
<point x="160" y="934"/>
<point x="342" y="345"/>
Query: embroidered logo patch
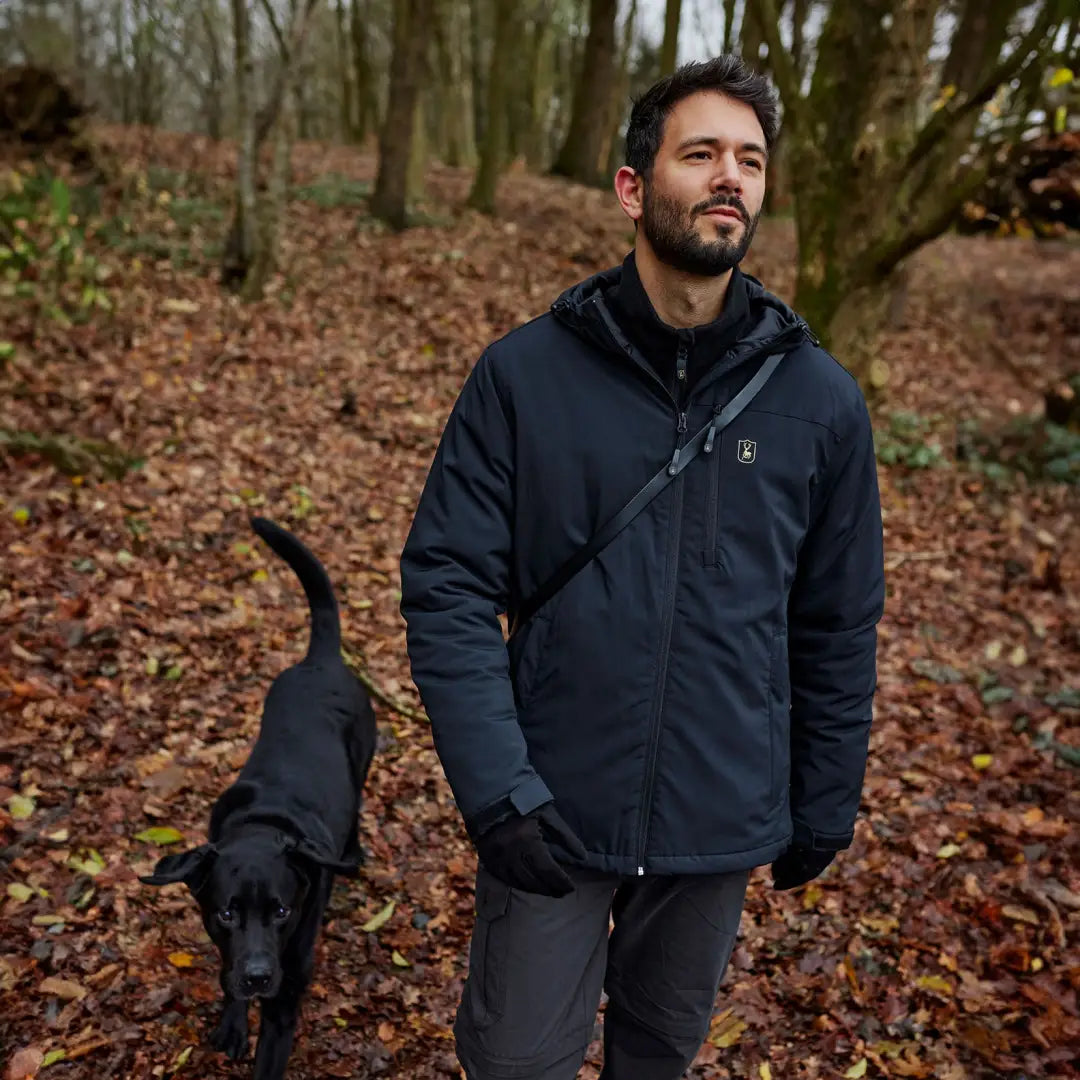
<point x="747" y="450"/>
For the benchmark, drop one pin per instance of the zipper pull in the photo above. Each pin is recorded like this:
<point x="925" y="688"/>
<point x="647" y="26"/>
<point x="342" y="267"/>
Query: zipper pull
<point x="673" y="465"/>
<point x="681" y="428"/>
<point x="709" y="439"/>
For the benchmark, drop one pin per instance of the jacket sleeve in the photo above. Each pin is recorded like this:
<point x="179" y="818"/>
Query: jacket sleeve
<point x="455" y="580"/>
<point x="835" y="604"/>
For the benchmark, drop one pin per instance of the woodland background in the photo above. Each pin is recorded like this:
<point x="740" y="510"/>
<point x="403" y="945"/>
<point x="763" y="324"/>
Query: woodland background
<point x="249" y="251"/>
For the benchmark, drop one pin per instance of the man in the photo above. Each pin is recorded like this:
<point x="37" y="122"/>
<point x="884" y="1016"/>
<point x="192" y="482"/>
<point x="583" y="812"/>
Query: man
<point x="696" y="700"/>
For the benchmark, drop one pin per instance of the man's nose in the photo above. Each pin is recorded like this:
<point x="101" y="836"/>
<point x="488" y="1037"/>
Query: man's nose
<point x="726" y="176"/>
<point x="257" y="973"/>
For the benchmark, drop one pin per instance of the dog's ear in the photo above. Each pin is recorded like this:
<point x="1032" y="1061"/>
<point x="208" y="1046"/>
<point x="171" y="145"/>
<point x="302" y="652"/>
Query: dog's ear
<point x="190" y="867"/>
<point x="307" y="851"/>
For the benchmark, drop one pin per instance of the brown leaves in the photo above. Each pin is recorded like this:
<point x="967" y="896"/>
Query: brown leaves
<point x="141" y="622"/>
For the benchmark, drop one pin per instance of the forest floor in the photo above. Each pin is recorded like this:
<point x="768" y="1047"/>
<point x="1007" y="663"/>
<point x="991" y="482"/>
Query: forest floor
<point x="141" y="623"/>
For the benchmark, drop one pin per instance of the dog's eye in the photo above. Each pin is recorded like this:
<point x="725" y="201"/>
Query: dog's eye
<point x="282" y="913"/>
<point x="225" y="916"/>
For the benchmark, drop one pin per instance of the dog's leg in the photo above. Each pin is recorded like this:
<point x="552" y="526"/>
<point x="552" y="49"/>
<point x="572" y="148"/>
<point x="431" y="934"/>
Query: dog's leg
<point x="277" y="1027"/>
<point x="231" y="1035"/>
<point x="280" y="1014"/>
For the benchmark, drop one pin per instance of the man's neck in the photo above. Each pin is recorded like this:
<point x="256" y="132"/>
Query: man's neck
<point x="680" y="300"/>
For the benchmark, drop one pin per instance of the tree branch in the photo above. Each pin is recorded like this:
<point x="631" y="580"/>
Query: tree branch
<point x="784" y="70"/>
<point x="284" y="49"/>
<point x="946" y="119"/>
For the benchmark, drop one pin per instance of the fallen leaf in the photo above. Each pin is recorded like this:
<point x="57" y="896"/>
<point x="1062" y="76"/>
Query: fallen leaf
<point x="947" y="851"/>
<point x="399" y="960"/>
<point x="159" y="835"/>
<point x="24" y="1064"/>
<point x="1018" y="657"/>
<point x="179" y="306"/>
<point x="52" y="1057"/>
<point x="20" y="807"/>
<point x="181" y="959"/>
<point x="856" y="1070"/>
<point x="764" y="1072"/>
<point x="937" y="983"/>
<point x="982" y="761"/>
<point x="17" y="891"/>
<point x="62" y="988"/>
<point x="376" y="921"/>
<point x="1020" y="914"/>
<point x="181" y="1059"/>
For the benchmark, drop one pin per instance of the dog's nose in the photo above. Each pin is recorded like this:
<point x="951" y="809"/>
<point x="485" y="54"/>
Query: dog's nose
<point x="257" y="975"/>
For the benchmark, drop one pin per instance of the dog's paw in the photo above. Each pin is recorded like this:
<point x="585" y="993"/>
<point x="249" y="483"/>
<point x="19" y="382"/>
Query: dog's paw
<point x="231" y="1037"/>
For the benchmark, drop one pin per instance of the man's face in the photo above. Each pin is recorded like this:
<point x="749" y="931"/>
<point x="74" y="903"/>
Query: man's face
<point x="701" y="204"/>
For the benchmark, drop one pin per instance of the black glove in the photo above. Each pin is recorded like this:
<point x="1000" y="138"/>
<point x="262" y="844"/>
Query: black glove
<point x="516" y="851"/>
<point x="798" y="865"/>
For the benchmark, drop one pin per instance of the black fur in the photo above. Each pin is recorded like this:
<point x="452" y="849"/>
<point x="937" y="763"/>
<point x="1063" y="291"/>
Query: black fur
<point x="279" y="834"/>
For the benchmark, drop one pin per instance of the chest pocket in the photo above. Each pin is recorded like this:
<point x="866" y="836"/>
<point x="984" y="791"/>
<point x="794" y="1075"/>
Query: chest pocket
<point x="761" y="476"/>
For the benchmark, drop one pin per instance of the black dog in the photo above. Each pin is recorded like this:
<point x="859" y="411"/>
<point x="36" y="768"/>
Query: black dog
<point x="278" y="835"/>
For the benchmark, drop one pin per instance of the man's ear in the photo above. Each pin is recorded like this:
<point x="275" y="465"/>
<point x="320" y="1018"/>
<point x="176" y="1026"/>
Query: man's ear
<point x="308" y="852"/>
<point x="190" y="867"/>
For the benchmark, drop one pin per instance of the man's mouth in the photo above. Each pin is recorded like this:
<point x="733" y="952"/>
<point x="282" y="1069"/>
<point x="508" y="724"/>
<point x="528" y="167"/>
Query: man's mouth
<point x="726" y="212"/>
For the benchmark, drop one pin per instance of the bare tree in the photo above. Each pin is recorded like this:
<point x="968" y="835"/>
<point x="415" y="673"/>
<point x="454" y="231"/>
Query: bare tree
<point x="669" y="51"/>
<point x="581" y="157"/>
<point x="389" y="200"/>
<point x="493" y="153"/>
<point x="883" y="167"/>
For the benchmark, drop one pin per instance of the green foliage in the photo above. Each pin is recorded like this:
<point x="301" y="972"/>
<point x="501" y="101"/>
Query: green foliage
<point x="334" y="190"/>
<point x="1028" y="446"/>
<point x="44" y="260"/>
<point x="910" y="440"/>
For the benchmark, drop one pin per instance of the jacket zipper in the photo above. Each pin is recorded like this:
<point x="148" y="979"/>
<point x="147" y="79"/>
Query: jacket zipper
<point x="713" y="507"/>
<point x="668" y="618"/>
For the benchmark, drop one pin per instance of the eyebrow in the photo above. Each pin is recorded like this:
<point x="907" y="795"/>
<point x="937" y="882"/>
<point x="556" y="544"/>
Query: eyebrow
<point x="709" y="140"/>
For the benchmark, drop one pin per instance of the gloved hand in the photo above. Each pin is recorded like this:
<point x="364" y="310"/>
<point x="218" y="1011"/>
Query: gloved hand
<point x="798" y="865"/>
<point x="516" y="851"/>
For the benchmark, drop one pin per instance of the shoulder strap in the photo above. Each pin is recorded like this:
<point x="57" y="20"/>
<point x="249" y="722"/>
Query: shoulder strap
<point x="615" y="525"/>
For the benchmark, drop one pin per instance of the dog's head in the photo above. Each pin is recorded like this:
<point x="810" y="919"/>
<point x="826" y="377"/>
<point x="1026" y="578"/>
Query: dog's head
<point x="251" y="892"/>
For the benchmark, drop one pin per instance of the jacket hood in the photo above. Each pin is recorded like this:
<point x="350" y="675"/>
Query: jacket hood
<point x="582" y="308"/>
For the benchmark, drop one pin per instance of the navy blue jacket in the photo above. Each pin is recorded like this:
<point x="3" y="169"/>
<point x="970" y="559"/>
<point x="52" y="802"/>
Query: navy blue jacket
<point x="699" y="696"/>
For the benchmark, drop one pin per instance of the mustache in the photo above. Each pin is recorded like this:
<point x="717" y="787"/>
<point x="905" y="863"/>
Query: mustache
<point x="718" y="201"/>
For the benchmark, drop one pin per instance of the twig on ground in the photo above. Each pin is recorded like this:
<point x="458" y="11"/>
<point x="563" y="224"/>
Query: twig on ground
<point x="397" y="706"/>
<point x="914" y="556"/>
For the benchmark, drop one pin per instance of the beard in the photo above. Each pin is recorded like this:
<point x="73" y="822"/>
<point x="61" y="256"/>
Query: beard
<point x="671" y="230"/>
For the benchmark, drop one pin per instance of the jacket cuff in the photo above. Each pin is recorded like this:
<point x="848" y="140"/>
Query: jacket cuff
<point x="812" y="840"/>
<point x="522" y="800"/>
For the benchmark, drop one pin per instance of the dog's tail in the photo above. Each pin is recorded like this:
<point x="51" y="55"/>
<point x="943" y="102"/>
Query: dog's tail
<point x="325" y="622"/>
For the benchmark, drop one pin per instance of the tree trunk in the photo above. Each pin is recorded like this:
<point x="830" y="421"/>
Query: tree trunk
<point x="346" y="74"/>
<point x="367" y="103"/>
<point x="274" y="199"/>
<point x="493" y="152"/>
<point x="479" y="71"/>
<point x="880" y="178"/>
<point x="239" y="254"/>
<point x="613" y="155"/>
<point x="669" y="51"/>
<point x="212" y="103"/>
<point x="729" y="25"/>
<point x="541" y="91"/>
<point x="456" y="99"/>
<point x="389" y="200"/>
<point x="581" y="158"/>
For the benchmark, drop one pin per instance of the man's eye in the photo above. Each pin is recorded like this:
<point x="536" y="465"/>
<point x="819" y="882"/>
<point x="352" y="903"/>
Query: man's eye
<point x="753" y="163"/>
<point x="282" y="913"/>
<point x="226" y="916"/>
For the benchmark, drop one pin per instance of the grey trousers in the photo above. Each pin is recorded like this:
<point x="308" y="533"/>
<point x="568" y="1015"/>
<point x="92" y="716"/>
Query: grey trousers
<point x="537" y="966"/>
